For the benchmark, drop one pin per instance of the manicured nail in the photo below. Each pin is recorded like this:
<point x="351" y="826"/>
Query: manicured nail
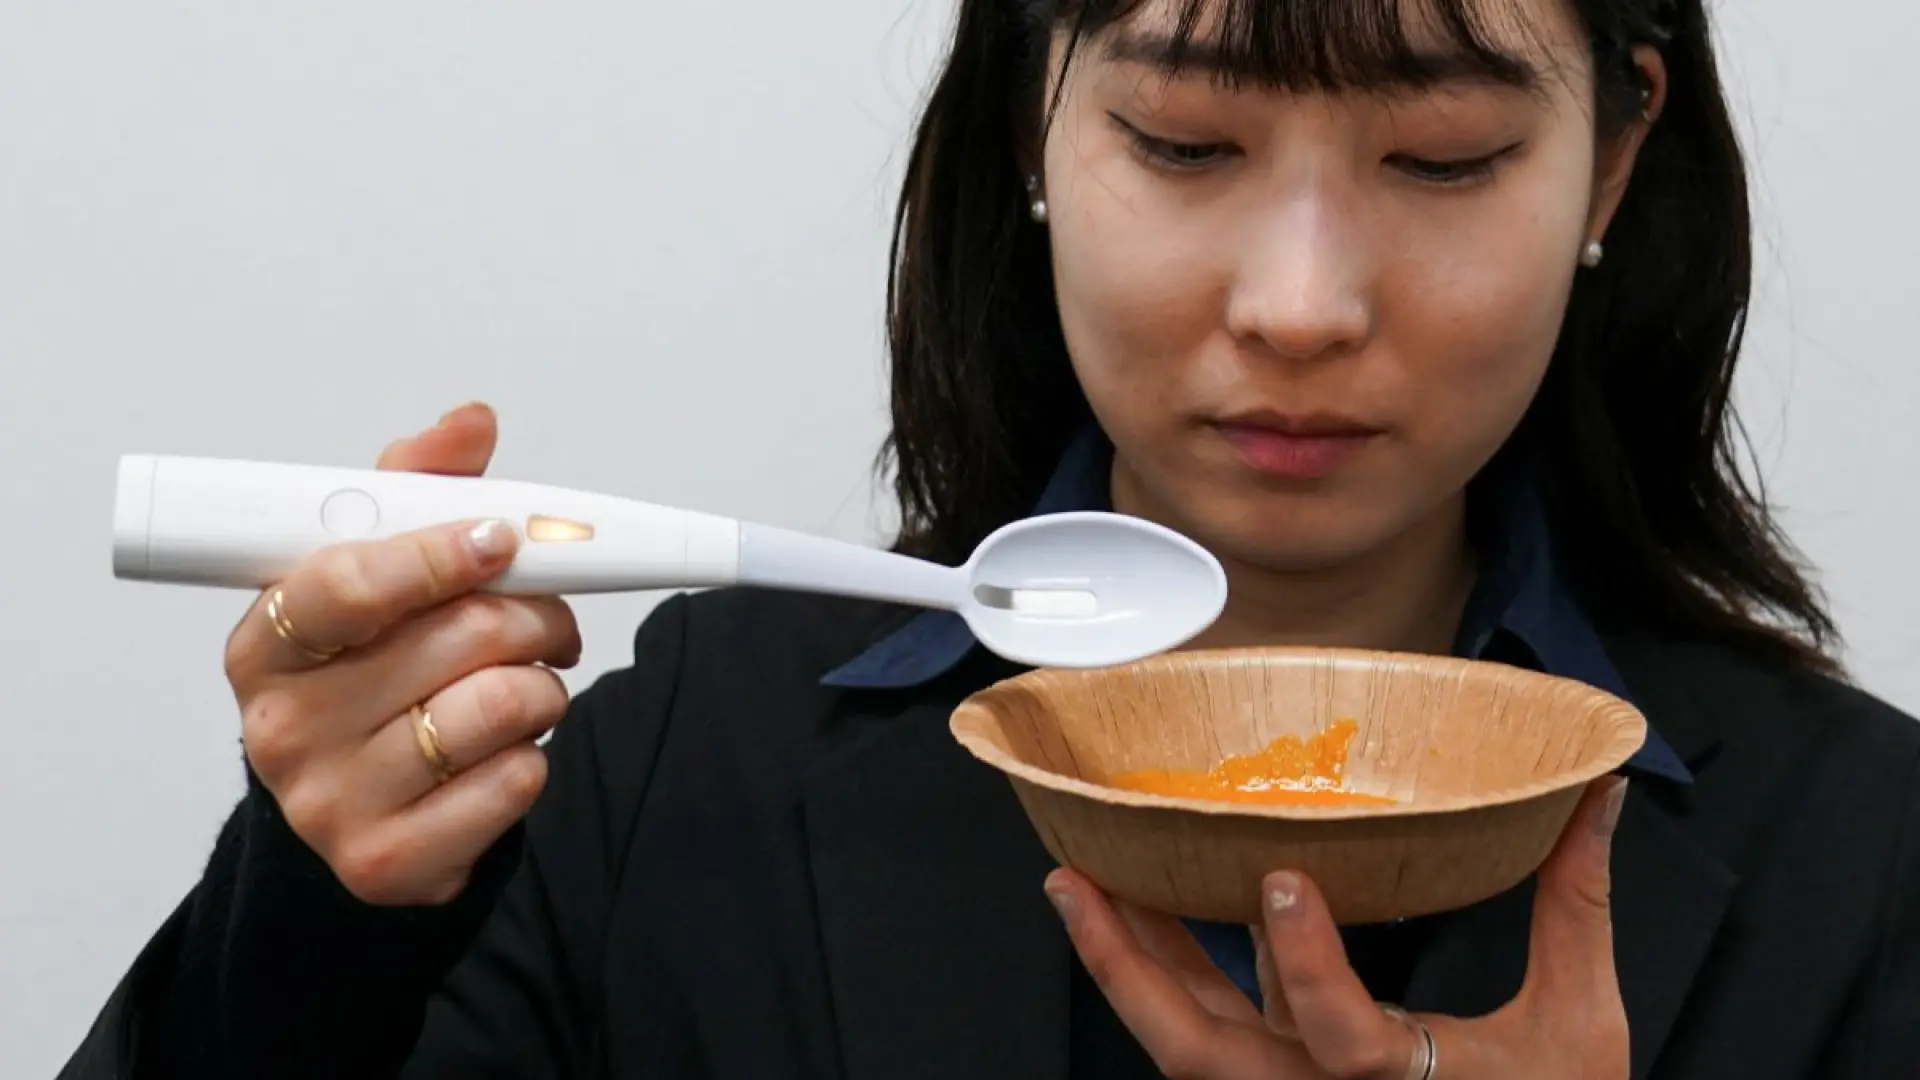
<point x="1616" y="797"/>
<point x="1062" y="903"/>
<point x="491" y="539"/>
<point x="1283" y="893"/>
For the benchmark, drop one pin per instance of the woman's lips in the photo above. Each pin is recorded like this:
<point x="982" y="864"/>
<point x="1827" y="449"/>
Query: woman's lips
<point x="1299" y="448"/>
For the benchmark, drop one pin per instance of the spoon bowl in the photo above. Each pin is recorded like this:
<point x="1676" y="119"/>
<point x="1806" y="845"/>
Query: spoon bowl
<point x="1089" y="589"/>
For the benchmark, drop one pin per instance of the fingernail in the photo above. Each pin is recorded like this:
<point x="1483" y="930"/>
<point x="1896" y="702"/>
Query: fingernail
<point x="453" y="412"/>
<point x="491" y="539"/>
<point x="1283" y="893"/>
<point x="1610" y="808"/>
<point x="1062" y="903"/>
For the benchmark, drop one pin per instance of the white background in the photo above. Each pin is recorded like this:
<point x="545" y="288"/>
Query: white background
<point x="654" y="236"/>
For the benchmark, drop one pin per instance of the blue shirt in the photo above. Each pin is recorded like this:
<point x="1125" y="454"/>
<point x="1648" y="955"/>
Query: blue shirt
<point x="1521" y="611"/>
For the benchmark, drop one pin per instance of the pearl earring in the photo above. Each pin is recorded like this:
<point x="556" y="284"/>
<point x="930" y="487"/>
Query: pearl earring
<point x="1591" y="257"/>
<point x="1038" y="208"/>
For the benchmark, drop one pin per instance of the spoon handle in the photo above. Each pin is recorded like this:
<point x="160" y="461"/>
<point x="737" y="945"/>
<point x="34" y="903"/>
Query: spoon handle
<point x="780" y="559"/>
<point x="246" y="524"/>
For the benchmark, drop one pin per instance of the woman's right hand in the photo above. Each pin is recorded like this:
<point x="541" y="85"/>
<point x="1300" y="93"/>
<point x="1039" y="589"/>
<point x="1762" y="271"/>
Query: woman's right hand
<point x="337" y="741"/>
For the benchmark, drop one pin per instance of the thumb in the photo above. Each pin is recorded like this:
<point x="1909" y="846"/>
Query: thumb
<point x="1570" y="957"/>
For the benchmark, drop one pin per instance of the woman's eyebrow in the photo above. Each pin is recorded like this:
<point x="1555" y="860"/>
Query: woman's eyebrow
<point x="1412" y="69"/>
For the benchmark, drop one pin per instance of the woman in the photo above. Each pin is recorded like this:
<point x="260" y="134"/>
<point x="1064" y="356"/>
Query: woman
<point x="1422" y="317"/>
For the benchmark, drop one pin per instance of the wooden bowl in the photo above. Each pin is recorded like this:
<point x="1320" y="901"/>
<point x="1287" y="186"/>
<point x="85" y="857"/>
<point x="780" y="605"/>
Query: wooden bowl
<point x="1485" y="763"/>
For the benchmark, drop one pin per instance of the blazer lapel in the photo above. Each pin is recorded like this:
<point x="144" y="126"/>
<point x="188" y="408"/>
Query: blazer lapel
<point x="943" y="958"/>
<point x="1669" y="894"/>
<point x="1668" y="899"/>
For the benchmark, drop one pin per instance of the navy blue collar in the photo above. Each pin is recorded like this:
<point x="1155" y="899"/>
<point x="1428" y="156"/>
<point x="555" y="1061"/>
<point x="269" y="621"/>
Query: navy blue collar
<point x="1521" y="610"/>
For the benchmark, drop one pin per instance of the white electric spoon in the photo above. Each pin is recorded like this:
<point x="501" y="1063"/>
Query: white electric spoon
<point x="1059" y="590"/>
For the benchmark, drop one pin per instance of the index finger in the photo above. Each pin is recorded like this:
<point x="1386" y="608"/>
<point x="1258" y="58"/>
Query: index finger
<point x="347" y="595"/>
<point x="461" y="443"/>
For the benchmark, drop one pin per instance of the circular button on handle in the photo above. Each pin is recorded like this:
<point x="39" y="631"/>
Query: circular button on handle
<point x="350" y="514"/>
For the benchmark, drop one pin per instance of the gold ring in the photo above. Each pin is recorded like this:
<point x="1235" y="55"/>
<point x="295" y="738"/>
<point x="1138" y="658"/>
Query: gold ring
<point x="427" y="738"/>
<point x="1426" y="1056"/>
<point x="277" y="615"/>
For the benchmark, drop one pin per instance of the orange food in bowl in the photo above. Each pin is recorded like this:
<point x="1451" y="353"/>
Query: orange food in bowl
<point x="1288" y="771"/>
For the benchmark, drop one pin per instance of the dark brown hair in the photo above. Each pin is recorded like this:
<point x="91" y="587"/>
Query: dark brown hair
<point x="1633" y="426"/>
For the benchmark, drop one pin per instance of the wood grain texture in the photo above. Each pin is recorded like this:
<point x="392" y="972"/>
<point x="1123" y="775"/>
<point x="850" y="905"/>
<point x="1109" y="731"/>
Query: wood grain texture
<point x="1486" y="763"/>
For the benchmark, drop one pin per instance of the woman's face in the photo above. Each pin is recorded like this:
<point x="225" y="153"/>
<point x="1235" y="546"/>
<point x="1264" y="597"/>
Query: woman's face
<point x="1307" y="321"/>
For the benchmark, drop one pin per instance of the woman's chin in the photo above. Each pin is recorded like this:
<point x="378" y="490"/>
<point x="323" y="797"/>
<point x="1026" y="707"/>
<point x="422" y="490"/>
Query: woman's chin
<point x="1285" y="529"/>
<point x="1287" y="543"/>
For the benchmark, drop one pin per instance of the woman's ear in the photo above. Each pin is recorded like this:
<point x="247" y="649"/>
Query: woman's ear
<point x="1613" y="165"/>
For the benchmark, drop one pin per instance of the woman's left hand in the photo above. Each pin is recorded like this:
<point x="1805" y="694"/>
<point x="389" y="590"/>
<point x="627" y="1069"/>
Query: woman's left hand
<point x="1566" y="1023"/>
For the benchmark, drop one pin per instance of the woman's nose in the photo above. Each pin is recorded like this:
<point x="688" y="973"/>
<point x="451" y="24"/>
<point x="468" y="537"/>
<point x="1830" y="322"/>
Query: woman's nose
<point x="1300" y="288"/>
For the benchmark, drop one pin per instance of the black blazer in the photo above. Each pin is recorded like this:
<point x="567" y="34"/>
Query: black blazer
<point x="738" y="873"/>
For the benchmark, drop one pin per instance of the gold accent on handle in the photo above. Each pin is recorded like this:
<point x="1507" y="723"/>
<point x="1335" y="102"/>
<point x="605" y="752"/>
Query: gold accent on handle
<point x="552" y="529"/>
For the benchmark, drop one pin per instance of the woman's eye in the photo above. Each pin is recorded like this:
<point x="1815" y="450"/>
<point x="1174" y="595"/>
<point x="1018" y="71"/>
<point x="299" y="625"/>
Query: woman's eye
<point x="1178" y="154"/>
<point x="1169" y="153"/>
<point x="1456" y="173"/>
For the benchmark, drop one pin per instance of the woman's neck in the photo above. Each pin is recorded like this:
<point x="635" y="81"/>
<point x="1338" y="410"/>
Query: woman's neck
<point x="1408" y="595"/>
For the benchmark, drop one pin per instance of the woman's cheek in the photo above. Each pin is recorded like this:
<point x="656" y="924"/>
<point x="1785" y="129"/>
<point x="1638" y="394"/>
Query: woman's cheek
<point x="1484" y="358"/>
<point x="1132" y="308"/>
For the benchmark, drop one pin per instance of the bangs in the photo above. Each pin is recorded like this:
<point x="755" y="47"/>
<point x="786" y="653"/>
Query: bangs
<point x="1315" y="45"/>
